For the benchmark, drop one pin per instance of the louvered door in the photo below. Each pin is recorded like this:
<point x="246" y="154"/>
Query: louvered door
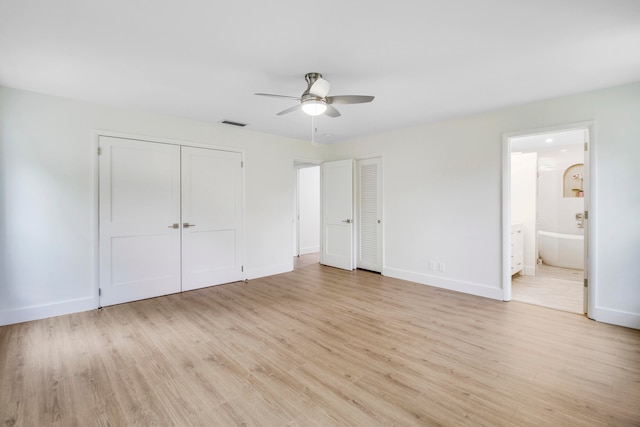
<point x="369" y="221"/>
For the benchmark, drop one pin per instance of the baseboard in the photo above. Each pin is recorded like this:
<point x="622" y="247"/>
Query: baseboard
<point x="616" y="317"/>
<point x="254" y="273"/>
<point x="441" y="282"/>
<point x="26" y="314"/>
<point x="309" y="250"/>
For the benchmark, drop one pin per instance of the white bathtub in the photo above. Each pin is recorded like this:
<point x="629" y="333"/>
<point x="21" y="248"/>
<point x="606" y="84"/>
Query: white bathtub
<point x="561" y="250"/>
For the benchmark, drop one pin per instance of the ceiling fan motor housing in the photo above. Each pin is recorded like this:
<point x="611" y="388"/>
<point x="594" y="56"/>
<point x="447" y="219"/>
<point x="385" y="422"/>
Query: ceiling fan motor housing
<point x="311" y="78"/>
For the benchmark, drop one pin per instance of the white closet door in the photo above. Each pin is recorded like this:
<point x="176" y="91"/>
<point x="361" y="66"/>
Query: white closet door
<point x="369" y="224"/>
<point x="337" y="214"/>
<point x="211" y="217"/>
<point x="139" y="205"/>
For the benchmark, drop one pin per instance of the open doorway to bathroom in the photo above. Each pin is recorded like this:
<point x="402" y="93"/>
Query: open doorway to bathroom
<point x="548" y="232"/>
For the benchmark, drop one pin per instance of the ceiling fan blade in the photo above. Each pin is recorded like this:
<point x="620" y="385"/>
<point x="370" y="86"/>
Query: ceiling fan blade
<point x="332" y="112"/>
<point x="320" y="88"/>
<point x="297" y="98"/>
<point x="290" y="109"/>
<point x="349" y="99"/>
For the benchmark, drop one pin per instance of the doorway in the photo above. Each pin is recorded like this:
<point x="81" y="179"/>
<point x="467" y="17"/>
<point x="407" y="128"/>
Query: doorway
<point x="547" y="228"/>
<point x="306" y="229"/>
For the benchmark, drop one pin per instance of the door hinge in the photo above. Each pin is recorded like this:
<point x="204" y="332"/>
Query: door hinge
<point x="586" y="283"/>
<point x="99" y="151"/>
<point x="99" y="292"/>
<point x="241" y="164"/>
<point x="242" y="268"/>
<point x="586" y="146"/>
<point x="586" y="214"/>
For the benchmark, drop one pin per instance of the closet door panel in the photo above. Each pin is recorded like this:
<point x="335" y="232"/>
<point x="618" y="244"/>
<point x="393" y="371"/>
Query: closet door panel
<point x="139" y="198"/>
<point x="211" y="217"/>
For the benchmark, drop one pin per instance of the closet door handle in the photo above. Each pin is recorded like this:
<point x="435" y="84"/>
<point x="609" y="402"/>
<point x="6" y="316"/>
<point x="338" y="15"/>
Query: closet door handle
<point x="187" y="225"/>
<point x="175" y="225"/>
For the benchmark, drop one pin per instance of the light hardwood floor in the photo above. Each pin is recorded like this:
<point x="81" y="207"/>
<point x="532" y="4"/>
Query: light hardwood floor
<point x="319" y="347"/>
<point x="306" y="260"/>
<point x="553" y="287"/>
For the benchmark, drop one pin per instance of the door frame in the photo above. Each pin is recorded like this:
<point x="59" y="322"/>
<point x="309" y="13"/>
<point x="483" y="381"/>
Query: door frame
<point x="97" y="133"/>
<point x="590" y="206"/>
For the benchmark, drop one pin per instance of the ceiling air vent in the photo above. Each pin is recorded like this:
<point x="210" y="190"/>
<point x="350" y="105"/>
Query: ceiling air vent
<point x="229" y="122"/>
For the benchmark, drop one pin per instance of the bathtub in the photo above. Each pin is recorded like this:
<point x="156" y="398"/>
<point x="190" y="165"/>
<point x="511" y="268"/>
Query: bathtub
<point x="561" y="250"/>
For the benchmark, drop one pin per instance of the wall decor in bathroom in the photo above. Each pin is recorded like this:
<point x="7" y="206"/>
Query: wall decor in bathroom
<point x="573" y="181"/>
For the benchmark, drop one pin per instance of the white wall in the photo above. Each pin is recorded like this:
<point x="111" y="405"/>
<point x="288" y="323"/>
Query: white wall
<point x="443" y="196"/>
<point x="442" y="192"/>
<point x="48" y="196"/>
<point x="309" y="200"/>
<point x="524" y="170"/>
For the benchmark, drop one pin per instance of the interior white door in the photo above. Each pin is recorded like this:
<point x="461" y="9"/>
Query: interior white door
<point x="369" y="207"/>
<point x="337" y="214"/>
<point x="211" y="217"/>
<point x="139" y="214"/>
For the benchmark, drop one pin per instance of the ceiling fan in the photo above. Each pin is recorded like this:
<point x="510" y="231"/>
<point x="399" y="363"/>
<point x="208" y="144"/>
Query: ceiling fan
<point x="314" y="101"/>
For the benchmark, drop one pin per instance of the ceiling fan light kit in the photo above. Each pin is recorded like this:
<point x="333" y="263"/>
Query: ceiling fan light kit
<point x="314" y="100"/>
<point x="314" y="107"/>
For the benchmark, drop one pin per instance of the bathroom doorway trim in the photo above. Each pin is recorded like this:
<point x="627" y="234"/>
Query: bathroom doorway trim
<point x="589" y="207"/>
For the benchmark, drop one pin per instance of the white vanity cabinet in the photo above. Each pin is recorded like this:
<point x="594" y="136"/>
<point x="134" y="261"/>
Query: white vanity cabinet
<point x="517" y="248"/>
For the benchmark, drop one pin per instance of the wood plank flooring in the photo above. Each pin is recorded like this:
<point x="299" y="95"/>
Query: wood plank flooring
<point x="553" y="287"/>
<point x="320" y="347"/>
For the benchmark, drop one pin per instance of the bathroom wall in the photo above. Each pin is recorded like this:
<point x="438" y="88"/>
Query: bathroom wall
<point x="524" y="168"/>
<point x="555" y="212"/>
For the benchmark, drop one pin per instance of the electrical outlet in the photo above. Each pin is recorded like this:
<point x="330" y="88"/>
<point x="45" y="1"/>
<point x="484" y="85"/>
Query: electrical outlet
<point x="432" y="265"/>
<point x="441" y="267"/>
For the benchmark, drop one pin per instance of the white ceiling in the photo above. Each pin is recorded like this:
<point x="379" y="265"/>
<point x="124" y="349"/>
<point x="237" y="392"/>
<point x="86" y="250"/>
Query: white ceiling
<point x="424" y="60"/>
